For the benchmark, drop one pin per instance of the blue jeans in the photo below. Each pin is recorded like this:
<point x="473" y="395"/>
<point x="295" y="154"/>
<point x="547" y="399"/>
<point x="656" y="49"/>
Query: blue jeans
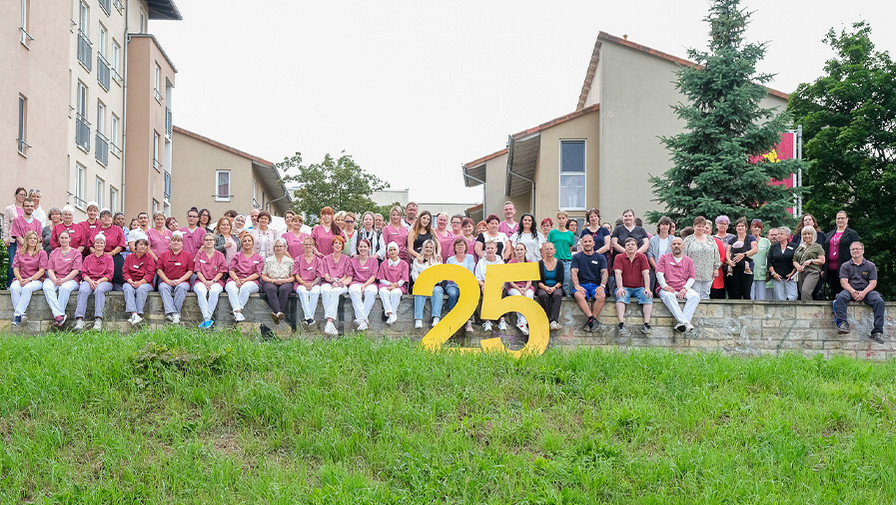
<point x="437" y="296"/>
<point x="453" y="293"/>
<point x="10" y="255"/>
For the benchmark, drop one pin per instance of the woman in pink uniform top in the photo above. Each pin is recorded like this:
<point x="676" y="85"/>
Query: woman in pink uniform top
<point x="295" y="237"/>
<point x="520" y="288"/>
<point x="444" y="236"/>
<point x="89" y="226"/>
<point x="393" y="276"/>
<point x="245" y="269"/>
<point x="115" y="243"/>
<point x="396" y="232"/>
<point x="96" y="276"/>
<point x="210" y="267"/>
<point x="324" y="232"/>
<point x="138" y="272"/>
<point x="159" y="236"/>
<point x="306" y="267"/>
<point x="68" y="224"/>
<point x="28" y="267"/>
<point x="362" y="289"/>
<point x="63" y="268"/>
<point x="336" y="271"/>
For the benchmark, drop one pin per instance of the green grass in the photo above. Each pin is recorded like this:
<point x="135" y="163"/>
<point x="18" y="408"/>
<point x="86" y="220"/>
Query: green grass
<point x="351" y="421"/>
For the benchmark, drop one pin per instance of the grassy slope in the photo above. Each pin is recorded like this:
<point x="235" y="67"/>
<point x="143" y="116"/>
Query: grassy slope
<point x="356" y="422"/>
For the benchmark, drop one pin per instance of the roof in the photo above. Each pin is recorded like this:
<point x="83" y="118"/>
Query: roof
<point x="158" y="46"/>
<point x="606" y="37"/>
<point x="219" y="145"/>
<point x="474" y="171"/>
<point x="556" y="121"/>
<point x="163" y="9"/>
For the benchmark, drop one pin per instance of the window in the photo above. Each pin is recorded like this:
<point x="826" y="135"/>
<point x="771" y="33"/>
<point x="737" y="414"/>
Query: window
<point x="80" y="172"/>
<point x="222" y="185"/>
<point x="26" y="15"/>
<point x="102" y="142"/>
<point x="100" y="191"/>
<point x="142" y="24"/>
<point x="82" y="126"/>
<point x="156" y="91"/>
<point x="155" y="151"/>
<point x="155" y="205"/>
<point x="23" y="123"/>
<point x="104" y="40"/>
<point x="84" y="18"/>
<point x="113" y="135"/>
<point x="100" y="118"/>
<point x="115" y="61"/>
<point x="572" y="174"/>
<point x="85" y="52"/>
<point x="113" y="199"/>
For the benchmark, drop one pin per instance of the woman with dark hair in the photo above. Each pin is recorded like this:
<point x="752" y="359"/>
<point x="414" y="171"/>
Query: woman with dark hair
<point x="704" y="252"/>
<point x="264" y="235"/>
<point x="115" y="244"/>
<point x="336" y="271"/>
<point x="362" y="289"/>
<point x="600" y="233"/>
<point x="205" y="220"/>
<point x="527" y="234"/>
<point x="171" y="224"/>
<point x="780" y="266"/>
<point x="9" y="215"/>
<point x="463" y="258"/>
<point x="550" y="285"/>
<point x="324" y="233"/>
<point x="659" y="245"/>
<point x="467" y="228"/>
<point x="492" y="234"/>
<point x="373" y="236"/>
<point x="563" y="239"/>
<point x="627" y="229"/>
<point x="420" y="233"/>
<point x="742" y="247"/>
<point x="836" y="250"/>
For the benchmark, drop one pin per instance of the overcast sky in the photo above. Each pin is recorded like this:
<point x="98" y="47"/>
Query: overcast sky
<point x="414" y="89"/>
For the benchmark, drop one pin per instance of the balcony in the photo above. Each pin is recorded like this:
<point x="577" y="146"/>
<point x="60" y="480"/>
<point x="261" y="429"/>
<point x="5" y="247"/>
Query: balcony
<point x="107" y="6"/>
<point x="168" y="123"/>
<point x="85" y="51"/>
<point x="103" y="73"/>
<point x="82" y="133"/>
<point x="102" y="149"/>
<point x="167" y="186"/>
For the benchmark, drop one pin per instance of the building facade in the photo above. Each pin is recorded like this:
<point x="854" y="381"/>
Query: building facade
<point x="603" y="153"/>
<point x="73" y="61"/>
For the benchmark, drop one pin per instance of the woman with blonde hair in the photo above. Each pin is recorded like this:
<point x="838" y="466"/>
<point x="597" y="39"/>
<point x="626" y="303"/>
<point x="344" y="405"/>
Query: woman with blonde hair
<point x="305" y="268"/>
<point x="28" y="267"/>
<point x="427" y="258"/>
<point x="808" y="260"/>
<point x="63" y="268"/>
<point x="245" y="270"/>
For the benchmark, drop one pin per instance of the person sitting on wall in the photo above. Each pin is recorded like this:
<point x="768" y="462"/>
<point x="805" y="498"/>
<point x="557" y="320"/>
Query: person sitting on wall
<point x="858" y="278"/>
<point x="675" y="275"/>
<point x="589" y="280"/>
<point x="632" y="273"/>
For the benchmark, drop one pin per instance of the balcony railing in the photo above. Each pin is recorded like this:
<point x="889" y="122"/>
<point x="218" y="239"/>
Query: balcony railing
<point x="168" y="123"/>
<point x="157" y="94"/>
<point x="26" y="37"/>
<point x="103" y="73"/>
<point x="106" y="5"/>
<point x="118" y="5"/>
<point x="115" y="149"/>
<point x="23" y="146"/>
<point x="156" y="164"/>
<point x="167" y="186"/>
<point x="102" y="149"/>
<point x="82" y="133"/>
<point x="85" y="51"/>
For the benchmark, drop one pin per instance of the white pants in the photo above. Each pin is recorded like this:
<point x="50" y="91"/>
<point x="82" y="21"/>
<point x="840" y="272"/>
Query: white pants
<point x="760" y="292"/>
<point x="362" y="302"/>
<point x="21" y="295"/>
<point x="690" y="306"/>
<point x="330" y="297"/>
<point x="702" y="288"/>
<point x="520" y="318"/>
<point x="784" y="290"/>
<point x="391" y="300"/>
<point x="208" y="298"/>
<point x="308" y="299"/>
<point x="58" y="302"/>
<point x="239" y="297"/>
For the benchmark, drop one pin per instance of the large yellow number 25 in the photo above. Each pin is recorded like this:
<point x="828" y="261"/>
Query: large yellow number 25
<point x="493" y="305"/>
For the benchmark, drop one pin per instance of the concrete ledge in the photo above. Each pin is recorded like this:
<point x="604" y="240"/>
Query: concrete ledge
<point x="749" y="328"/>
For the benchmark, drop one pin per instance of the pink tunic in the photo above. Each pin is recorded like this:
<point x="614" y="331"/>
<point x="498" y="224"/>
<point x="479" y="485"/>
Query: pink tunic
<point x="29" y="264"/>
<point x="175" y="266"/>
<point x="96" y="268"/>
<point x="399" y="236"/>
<point x="193" y="239"/>
<point x="63" y="264"/>
<point x="675" y="273"/>
<point x="114" y="237"/>
<point x="446" y="242"/>
<point x="244" y="267"/>
<point x="362" y="272"/>
<point x="88" y="230"/>
<point x="159" y="242"/>
<point x="210" y="267"/>
<point x="389" y="274"/>
<point x="73" y="230"/>
<point x="335" y="270"/>
<point x="294" y="244"/>
<point x="20" y="228"/>
<point x="507" y="229"/>
<point x="137" y="269"/>
<point x="323" y="239"/>
<point x="306" y="270"/>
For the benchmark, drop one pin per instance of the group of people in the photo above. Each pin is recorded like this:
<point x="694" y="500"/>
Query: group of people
<point x="374" y="255"/>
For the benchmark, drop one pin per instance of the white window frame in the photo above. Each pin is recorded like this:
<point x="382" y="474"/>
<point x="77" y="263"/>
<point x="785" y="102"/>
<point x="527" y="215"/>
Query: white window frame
<point x="115" y="61"/>
<point x="103" y="41"/>
<point x="218" y="196"/>
<point x="113" y="135"/>
<point x="155" y="205"/>
<point x="113" y="198"/>
<point x="100" y="192"/>
<point x="22" y="131"/>
<point x="142" y="24"/>
<point x="82" y="98"/>
<point x="80" y="181"/>
<point x="156" y="141"/>
<point x="101" y="118"/>
<point x="84" y="18"/>
<point x="156" y="91"/>
<point x="584" y="173"/>
<point x="25" y="19"/>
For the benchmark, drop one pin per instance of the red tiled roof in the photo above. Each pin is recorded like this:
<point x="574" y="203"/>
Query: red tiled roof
<point x="256" y="159"/>
<point x="606" y="37"/>
<point x="556" y="121"/>
<point x="483" y="159"/>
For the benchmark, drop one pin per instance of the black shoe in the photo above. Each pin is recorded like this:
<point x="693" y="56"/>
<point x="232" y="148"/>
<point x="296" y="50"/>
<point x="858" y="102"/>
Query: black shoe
<point x="588" y="326"/>
<point x="843" y="328"/>
<point x="877" y="336"/>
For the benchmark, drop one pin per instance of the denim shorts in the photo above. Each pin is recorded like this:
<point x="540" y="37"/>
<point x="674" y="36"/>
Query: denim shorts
<point x="639" y="293"/>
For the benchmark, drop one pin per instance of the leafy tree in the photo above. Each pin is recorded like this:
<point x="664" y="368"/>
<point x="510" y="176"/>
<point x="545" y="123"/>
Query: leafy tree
<point x="849" y="132"/>
<point x="725" y="126"/>
<point x="335" y="182"/>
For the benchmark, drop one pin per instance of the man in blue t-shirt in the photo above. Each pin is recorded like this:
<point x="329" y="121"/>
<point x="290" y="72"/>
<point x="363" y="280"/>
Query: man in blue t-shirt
<point x="589" y="280"/>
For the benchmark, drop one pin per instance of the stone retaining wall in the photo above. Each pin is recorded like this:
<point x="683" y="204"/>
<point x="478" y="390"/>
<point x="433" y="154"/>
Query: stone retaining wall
<point x="732" y="326"/>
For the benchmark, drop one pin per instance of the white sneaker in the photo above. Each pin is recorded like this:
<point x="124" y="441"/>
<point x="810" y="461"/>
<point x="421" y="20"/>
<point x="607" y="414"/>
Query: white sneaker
<point x="330" y="328"/>
<point x="502" y="325"/>
<point x="468" y="326"/>
<point x="435" y="321"/>
<point x="79" y="325"/>
<point x="175" y="318"/>
<point x="131" y="320"/>
<point x="688" y="327"/>
<point x="487" y="326"/>
<point x="555" y="325"/>
<point x="98" y="324"/>
<point x="168" y="317"/>
<point x="362" y="326"/>
<point x="391" y="319"/>
<point x="136" y="319"/>
<point x="418" y="323"/>
<point x="524" y="329"/>
<point x="239" y="317"/>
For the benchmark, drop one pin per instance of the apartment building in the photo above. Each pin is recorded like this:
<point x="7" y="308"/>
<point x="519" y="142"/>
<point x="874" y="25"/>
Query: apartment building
<point x="90" y="100"/>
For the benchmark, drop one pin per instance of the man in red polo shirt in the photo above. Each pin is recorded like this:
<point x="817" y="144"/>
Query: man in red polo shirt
<point x="632" y="272"/>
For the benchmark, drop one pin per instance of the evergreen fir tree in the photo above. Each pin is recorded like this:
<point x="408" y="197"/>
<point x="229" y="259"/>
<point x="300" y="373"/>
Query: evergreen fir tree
<point x="725" y="126"/>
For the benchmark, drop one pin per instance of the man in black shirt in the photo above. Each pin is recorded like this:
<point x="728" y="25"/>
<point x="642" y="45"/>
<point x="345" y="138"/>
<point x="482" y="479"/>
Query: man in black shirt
<point x="589" y="280"/>
<point x="858" y="278"/>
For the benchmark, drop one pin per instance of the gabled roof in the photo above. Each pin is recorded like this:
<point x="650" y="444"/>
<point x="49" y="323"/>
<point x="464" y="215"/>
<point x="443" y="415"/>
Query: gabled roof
<point x="556" y="121"/>
<point x="255" y="159"/>
<point x="606" y="37"/>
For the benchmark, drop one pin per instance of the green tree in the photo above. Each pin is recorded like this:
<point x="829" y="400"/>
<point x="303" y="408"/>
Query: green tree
<point x="849" y="131"/>
<point x="339" y="183"/>
<point x="724" y="126"/>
